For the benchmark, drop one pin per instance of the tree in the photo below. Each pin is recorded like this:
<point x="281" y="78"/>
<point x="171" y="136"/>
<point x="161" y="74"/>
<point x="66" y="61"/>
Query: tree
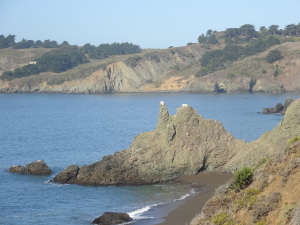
<point x="202" y="39"/>
<point x="50" y="44"/>
<point x="209" y="32"/>
<point x="263" y="31"/>
<point x="247" y="32"/>
<point x="64" y="43"/>
<point x="290" y="30"/>
<point x="273" y="29"/>
<point x="38" y="44"/>
<point x="8" y="41"/>
<point x="212" y="39"/>
<point x="24" y="44"/>
<point x="231" y="35"/>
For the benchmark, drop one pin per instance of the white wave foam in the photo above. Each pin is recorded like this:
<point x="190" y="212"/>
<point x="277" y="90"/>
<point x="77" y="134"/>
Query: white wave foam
<point x="137" y="214"/>
<point x="193" y="191"/>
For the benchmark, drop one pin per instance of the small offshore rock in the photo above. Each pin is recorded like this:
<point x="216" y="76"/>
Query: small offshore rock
<point x="110" y="218"/>
<point x="279" y="108"/>
<point x="38" y="167"/>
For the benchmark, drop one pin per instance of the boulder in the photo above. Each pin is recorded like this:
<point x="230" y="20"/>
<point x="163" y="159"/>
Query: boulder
<point x="110" y="218"/>
<point x="38" y="167"/>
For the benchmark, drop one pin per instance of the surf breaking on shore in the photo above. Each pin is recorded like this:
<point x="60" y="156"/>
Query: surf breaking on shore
<point x="181" y="210"/>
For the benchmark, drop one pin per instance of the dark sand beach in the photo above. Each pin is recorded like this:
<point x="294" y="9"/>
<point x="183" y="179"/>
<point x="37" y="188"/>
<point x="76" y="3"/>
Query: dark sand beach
<point x="193" y="205"/>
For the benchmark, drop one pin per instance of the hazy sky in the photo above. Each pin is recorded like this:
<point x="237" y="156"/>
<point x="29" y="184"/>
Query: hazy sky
<point x="148" y="23"/>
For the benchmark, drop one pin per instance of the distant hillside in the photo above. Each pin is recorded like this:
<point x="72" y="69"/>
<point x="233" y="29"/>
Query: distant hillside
<point x="238" y="60"/>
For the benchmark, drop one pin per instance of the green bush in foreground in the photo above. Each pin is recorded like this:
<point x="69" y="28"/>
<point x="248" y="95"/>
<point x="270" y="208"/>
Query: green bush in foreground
<point x="242" y="178"/>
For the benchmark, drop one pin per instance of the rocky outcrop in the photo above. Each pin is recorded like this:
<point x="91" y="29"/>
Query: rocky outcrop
<point x="279" y="108"/>
<point x="182" y="144"/>
<point x="111" y="218"/>
<point x="185" y="143"/>
<point x="38" y="167"/>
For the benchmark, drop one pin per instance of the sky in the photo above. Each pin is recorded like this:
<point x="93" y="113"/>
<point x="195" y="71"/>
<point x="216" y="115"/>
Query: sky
<point x="147" y="23"/>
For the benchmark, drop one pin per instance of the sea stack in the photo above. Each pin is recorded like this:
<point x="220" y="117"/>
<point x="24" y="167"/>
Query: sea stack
<point x="182" y="144"/>
<point x="38" y="167"/>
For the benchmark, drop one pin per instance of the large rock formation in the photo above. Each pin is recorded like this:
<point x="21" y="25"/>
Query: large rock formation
<point x="38" y="167"/>
<point x="185" y="143"/>
<point x="182" y="144"/>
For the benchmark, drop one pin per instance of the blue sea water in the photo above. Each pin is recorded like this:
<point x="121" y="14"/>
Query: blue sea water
<point x="81" y="129"/>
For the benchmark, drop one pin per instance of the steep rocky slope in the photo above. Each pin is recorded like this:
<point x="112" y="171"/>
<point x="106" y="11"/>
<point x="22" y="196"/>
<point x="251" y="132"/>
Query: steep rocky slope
<point x="271" y="198"/>
<point x="182" y="144"/>
<point x="160" y="70"/>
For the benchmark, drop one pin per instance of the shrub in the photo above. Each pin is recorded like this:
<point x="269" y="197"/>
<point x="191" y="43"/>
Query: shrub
<point x="152" y="56"/>
<point x="248" y="198"/>
<point x="287" y="211"/>
<point x="222" y="219"/>
<point x="294" y="139"/>
<point x="132" y="61"/>
<point x="276" y="71"/>
<point x="265" y="205"/>
<point x="242" y="178"/>
<point x="274" y="56"/>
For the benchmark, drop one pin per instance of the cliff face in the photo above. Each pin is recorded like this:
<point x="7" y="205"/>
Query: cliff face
<point x="160" y="70"/>
<point x="182" y="144"/>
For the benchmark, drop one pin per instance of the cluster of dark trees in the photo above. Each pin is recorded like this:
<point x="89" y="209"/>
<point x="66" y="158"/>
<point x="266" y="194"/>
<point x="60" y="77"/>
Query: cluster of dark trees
<point x="63" y="57"/>
<point x="242" y="42"/>
<point x="58" y="60"/>
<point x="106" y="50"/>
<point x="217" y="59"/>
<point x="247" y="32"/>
<point x="9" y="41"/>
<point x="209" y="38"/>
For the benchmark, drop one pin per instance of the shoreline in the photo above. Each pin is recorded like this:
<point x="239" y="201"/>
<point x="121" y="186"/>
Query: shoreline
<point x="185" y="212"/>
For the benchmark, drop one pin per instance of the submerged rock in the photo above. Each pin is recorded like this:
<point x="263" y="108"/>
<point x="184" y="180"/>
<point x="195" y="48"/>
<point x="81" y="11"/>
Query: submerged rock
<point x="110" y="218"/>
<point x="38" y="167"/>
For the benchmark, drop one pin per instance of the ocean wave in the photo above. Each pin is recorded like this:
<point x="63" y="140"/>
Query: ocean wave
<point x="137" y="214"/>
<point x="193" y="191"/>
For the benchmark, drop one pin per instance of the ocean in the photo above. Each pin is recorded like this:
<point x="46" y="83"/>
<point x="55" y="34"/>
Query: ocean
<point x="80" y="129"/>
